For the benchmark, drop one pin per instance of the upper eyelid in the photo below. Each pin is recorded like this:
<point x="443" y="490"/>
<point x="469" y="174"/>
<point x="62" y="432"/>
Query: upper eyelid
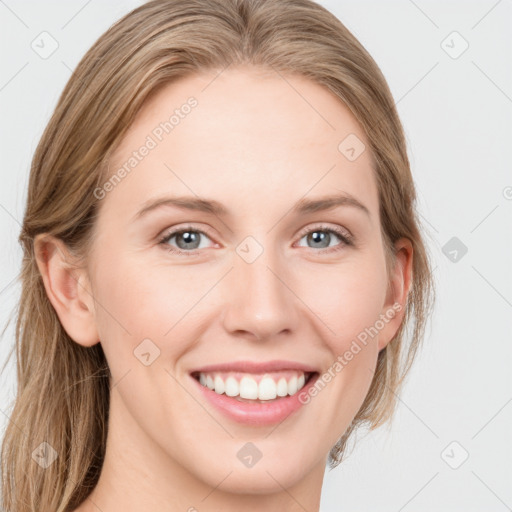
<point x="324" y="227"/>
<point x="175" y="231"/>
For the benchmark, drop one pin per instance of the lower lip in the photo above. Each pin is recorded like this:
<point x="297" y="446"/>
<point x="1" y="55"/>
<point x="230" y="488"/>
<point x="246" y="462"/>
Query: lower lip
<point x="256" y="413"/>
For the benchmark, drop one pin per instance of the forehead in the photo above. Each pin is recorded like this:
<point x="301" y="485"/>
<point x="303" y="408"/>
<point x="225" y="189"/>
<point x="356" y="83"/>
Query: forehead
<point x="241" y="136"/>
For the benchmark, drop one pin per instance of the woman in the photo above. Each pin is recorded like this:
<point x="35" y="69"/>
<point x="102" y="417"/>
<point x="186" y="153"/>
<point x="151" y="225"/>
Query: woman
<point x="222" y="254"/>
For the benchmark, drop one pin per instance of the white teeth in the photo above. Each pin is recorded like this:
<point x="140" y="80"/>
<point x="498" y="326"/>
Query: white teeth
<point x="249" y="388"/>
<point x="282" y="387"/>
<point x="292" y="385"/>
<point x="219" y="385"/>
<point x="267" y="389"/>
<point x="232" y="388"/>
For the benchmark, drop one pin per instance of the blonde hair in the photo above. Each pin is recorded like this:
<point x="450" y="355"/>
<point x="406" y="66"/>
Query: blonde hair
<point x="63" y="387"/>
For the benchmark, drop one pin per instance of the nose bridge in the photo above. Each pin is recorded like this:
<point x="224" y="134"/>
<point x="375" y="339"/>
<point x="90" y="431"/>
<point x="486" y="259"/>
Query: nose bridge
<point x="258" y="299"/>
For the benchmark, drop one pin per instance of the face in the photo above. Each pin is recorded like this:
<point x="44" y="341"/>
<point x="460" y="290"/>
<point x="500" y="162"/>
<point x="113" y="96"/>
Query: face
<point x="178" y="289"/>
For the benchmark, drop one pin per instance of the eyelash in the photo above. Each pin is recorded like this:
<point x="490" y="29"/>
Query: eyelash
<point x="345" y="238"/>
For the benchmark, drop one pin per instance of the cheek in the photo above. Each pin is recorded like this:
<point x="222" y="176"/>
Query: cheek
<point x="348" y="301"/>
<point x="142" y="299"/>
<point x="143" y="328"/>
<point x="347" y="298"/>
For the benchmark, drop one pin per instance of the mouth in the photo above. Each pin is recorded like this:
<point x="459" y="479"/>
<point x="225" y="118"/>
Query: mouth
<point x="255" y="388"/>
<point x="256" y="393"/>
<point x="256" y="399"/>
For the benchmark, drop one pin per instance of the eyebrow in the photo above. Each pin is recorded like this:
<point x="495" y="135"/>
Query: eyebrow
<point x="303" y="206"/>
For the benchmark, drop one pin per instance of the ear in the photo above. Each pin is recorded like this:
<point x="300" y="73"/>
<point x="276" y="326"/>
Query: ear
<point x="68" y="289"/>
<point x="396" y="299"/>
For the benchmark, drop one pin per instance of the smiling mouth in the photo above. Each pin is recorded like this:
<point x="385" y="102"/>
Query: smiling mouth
<point x="255" y="388"/>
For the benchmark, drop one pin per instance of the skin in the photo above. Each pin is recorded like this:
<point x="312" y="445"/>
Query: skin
<point x="254" y="144"/>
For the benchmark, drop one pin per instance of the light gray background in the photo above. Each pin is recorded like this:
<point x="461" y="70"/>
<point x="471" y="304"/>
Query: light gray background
<point x="457" y="115"/>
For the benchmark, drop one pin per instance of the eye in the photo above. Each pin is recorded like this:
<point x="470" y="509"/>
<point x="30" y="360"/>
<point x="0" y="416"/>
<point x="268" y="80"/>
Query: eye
<point x="187" y="239"/>
<point x="321" y="236"/>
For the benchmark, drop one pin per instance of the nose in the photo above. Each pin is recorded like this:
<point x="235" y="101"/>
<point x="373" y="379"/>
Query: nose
<point x="259" y="299"/>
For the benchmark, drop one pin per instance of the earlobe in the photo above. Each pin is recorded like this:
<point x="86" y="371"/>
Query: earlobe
<point x="400" y="285"/>
<point x="67" y="289"/>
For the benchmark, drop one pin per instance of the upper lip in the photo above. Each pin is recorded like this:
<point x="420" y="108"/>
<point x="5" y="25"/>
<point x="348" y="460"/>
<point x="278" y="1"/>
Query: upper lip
<point x="256" y="367"/>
